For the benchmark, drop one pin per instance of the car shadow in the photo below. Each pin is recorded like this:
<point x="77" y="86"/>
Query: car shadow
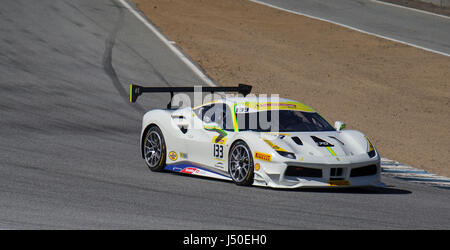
<point x="342" y="190"/>
<point x="351" y="190"/>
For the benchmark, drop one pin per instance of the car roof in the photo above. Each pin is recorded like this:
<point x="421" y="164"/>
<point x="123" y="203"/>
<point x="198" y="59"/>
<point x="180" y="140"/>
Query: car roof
<point x="262" y="103"/>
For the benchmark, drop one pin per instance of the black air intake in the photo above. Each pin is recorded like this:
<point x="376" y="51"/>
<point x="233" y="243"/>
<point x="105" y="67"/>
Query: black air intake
<point x="364" y="171"/>
<point x="297" y="140"/>
<point x="303" y="172"/>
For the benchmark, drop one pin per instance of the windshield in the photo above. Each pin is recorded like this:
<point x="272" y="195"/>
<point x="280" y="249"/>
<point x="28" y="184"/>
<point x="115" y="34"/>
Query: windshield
<point x="288" y="121"/>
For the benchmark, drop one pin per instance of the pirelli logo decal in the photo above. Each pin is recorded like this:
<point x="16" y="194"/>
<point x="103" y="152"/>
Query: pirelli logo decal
<point x="263" y="156"/>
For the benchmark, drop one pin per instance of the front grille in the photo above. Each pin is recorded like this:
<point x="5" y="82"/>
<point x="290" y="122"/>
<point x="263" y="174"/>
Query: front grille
<point x="303" y="172"/>
<point x="336" y="172"/>
<point x="364" y="171"/>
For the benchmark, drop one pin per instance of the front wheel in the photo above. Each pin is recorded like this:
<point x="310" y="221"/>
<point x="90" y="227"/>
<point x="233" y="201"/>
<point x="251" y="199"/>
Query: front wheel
<point x="155" y="149"/>
<point x="240" y="164"/>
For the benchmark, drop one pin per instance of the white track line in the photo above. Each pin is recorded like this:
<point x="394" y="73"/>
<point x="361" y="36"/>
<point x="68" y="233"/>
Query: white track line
<point x="409" y="8"/>
<point x="404" y="172"/>
<point x="170" y="45"/>
<point x="350" y="27"/>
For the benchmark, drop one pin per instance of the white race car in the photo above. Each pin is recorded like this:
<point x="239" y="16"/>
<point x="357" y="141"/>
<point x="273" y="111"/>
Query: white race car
<point x="229" y="138"/>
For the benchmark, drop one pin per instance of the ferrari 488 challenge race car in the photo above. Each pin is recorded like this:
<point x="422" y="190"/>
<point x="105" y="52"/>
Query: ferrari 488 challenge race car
<point x="273" y="142"/>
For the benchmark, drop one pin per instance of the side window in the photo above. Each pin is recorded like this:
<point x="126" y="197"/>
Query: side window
<point x="214" y="114"/>
<point x="228" y="119"/>
<point x="219" y="113"/>
<point x="200" y="111"/>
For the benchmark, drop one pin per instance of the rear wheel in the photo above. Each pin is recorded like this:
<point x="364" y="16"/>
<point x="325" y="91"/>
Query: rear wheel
<point x="240" y="164"/>
<point x="155" y="149"/>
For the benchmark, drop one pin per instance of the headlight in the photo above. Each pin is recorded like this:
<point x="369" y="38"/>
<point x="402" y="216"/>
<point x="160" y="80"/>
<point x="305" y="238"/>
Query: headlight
<point x="286" y="154"/>
<point x="371" y="151"/>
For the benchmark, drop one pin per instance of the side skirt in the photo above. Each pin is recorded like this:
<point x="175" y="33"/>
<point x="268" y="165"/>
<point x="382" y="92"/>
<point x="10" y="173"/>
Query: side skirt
<point x="193" y="168"/>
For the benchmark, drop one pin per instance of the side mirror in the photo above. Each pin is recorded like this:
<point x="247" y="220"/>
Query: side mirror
<point x="338" y="125"/>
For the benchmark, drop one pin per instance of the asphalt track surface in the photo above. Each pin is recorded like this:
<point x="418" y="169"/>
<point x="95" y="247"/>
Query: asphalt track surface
<point x="420" y="29"/>
<point x="69" y="151"/>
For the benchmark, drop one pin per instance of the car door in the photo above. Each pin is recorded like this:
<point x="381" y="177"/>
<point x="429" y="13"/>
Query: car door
<point x="207" y="143"/>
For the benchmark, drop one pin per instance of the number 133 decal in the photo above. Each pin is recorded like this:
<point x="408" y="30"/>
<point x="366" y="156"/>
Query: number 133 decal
<point x="218" y="151"/>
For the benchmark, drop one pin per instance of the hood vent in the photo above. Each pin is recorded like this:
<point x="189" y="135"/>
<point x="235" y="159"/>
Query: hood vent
<point x="297" y="140"/>
<point x="332" y="137"/>
<point x="321" y="143"/>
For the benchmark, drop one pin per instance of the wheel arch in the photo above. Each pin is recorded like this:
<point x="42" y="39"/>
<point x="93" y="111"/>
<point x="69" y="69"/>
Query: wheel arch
<point x="144" y="132"/>
<point x="234" y="142"/>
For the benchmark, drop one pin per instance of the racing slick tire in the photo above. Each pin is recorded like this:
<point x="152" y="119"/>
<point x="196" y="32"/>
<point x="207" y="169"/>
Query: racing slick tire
<point x="240" y="164"/>
<point x="155" y="149"/>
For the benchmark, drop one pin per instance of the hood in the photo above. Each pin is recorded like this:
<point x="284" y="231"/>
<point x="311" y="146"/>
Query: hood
<point x="332" y="144"/>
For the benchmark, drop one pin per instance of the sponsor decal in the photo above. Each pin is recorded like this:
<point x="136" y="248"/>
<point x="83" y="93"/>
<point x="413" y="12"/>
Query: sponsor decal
<point x="219" y="140"/>
<point x="335" y="183"/>
<point x="190" y="170"/>
<point x="219" y="165"/>
<point x="260" y="106"/>
<point x="321" y="143"/>
<point x="193" y="168"/>
<point x="274" y="146"/>
<point x="173" y="155"/>
<point x="268" y="105"/>
<point x="263" y="156"/>
<point x="240" y="109"/>
<point x="277" y="133"/>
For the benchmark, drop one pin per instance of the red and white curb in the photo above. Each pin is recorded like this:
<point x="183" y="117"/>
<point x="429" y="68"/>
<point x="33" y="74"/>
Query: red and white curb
<point x="401" y="171"/>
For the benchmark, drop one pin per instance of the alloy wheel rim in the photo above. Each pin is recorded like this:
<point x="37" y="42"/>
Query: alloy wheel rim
<point x="153" y="149"/>
<point x="240" y="163"/>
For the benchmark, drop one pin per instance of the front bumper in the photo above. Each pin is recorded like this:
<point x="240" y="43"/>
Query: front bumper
<point x="318" y="175"/>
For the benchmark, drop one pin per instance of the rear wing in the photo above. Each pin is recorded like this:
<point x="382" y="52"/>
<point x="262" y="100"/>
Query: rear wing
<point x="136" y="90"/>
